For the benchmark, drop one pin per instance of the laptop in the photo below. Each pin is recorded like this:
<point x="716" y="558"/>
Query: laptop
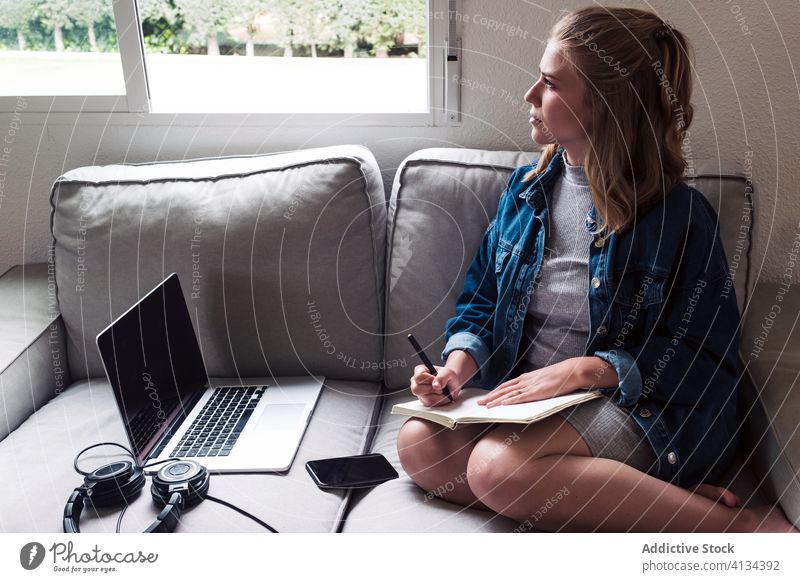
<point x="171" y="409"/>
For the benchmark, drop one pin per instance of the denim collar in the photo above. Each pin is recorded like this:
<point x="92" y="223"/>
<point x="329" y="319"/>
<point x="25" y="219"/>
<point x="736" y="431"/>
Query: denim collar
<point x="536" y="194"/>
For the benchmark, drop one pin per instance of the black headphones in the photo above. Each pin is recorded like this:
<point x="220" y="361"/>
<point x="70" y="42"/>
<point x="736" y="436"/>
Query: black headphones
<point x="179" y="484"/>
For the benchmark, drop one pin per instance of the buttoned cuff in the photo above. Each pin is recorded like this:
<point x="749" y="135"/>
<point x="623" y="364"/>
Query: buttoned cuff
<point x="629" y="389"/>
<point x="475" y="347"/>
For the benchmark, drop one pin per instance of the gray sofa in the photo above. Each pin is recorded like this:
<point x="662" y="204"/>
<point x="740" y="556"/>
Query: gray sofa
<point x="294" y="264"/>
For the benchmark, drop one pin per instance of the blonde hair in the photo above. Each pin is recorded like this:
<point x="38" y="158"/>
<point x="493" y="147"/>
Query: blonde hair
<point x="638" y="93"/>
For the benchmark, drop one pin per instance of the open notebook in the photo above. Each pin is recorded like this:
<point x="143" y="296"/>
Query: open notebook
<point x="466" y="409"/>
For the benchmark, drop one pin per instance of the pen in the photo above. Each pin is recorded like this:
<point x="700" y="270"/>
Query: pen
<point x="427" y="362"/>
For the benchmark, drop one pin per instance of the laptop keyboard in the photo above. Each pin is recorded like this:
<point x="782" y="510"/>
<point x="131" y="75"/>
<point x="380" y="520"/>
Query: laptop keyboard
<point x="146" y="423"/>
<point x="219" y="424"/>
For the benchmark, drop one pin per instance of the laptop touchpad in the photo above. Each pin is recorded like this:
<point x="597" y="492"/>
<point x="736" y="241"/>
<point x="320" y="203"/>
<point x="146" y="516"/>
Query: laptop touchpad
<point x="281" y="416"/>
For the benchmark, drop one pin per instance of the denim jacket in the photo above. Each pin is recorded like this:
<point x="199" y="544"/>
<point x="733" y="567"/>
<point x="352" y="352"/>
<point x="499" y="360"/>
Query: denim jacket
<point x="663" y="313"/>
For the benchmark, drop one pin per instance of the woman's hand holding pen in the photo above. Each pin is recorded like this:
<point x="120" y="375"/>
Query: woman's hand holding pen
<point x="430" y="389"/>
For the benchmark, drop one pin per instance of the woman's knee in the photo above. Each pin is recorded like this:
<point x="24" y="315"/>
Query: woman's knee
<point x="428" y="447"/>
<point x="502" y="463"/>
<point x="491" y="464"/>
<point x="417" y="445"/>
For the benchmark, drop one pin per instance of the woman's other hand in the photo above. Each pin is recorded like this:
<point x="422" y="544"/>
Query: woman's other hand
<point x="555" y="380"/>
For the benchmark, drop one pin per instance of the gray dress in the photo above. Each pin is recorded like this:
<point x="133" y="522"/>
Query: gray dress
<point x="556" y="325"/>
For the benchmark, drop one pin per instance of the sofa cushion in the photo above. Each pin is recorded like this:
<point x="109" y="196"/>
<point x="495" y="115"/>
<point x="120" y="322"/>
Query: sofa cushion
<point x="442" y="200"/>
<point x="771" y="355"/>
<point x="280" y="257"/>
<point x="39" y="477"/>
<point x="33" y="367"/>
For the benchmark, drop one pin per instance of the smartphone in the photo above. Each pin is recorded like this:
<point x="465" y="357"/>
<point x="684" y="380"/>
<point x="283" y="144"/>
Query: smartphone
<point x="356" y="471"/>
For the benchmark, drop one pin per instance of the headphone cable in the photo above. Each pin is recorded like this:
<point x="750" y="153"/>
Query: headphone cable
<point x="242" y="511"/>
<point x="121" y="513"/>
<point x="216" y="500"/>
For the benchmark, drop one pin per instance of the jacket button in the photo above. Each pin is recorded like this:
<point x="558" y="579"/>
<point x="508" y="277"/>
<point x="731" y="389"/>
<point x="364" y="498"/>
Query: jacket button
<point x="645" y="413"/>
<point x="602" y="329"/>
<point x="672" y="458"/>
<point x="595" y="282"/>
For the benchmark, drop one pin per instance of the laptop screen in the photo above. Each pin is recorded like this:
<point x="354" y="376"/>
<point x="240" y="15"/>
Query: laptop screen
<point x="154" y="364"/>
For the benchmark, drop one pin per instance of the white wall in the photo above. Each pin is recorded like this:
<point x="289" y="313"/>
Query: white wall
<point x="746" y="96"/>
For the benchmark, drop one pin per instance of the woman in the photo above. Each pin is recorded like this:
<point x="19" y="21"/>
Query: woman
<point x="654" y="324"/>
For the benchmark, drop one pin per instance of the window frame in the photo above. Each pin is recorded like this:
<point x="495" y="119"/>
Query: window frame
<point x="134" y="108"/>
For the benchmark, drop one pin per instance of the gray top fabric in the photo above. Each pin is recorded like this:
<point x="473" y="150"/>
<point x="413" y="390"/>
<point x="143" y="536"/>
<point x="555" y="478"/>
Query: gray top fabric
<point x="556" y="325"/>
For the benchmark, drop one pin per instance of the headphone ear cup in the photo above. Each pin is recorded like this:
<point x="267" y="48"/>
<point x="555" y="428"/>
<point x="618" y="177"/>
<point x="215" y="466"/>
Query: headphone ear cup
<point x="114" y="484"/>
<point x="188" y="478"/>
<point x="198" y="488"/>
<point x="179" y="484"/>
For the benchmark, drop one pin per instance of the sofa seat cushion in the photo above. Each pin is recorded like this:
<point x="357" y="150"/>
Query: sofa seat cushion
<point x="280" y="257"/>
<point x="401" y="505"/>
<point x="38" y="475"/>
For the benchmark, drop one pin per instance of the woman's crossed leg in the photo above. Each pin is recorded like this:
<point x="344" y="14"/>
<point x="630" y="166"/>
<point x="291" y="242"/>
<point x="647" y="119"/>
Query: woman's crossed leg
<point x="440" y="460"/>
<point x="543" y="475"/>
<point x="574" y="491"/>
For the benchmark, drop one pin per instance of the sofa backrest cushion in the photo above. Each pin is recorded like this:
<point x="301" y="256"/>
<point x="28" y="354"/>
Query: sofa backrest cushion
<point x="280" y="257"/>
<point x="441" y="203"/>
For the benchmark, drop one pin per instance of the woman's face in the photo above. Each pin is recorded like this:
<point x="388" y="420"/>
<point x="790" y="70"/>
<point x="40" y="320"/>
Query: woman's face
<point x="558" y="113"/>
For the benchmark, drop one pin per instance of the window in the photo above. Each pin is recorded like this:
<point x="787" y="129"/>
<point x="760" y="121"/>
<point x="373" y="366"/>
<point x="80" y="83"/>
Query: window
<point x="64" y="47"/>
<point x="290" y="58"/>
<point x="286" y="56"/>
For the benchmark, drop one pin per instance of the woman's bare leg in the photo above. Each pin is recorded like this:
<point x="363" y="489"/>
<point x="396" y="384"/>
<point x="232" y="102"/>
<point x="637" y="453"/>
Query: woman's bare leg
<point x="581" y="493"/>
<point x="435" y="457"/>
<point x="717" y="493"/>
<point x="606" y="495"/>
